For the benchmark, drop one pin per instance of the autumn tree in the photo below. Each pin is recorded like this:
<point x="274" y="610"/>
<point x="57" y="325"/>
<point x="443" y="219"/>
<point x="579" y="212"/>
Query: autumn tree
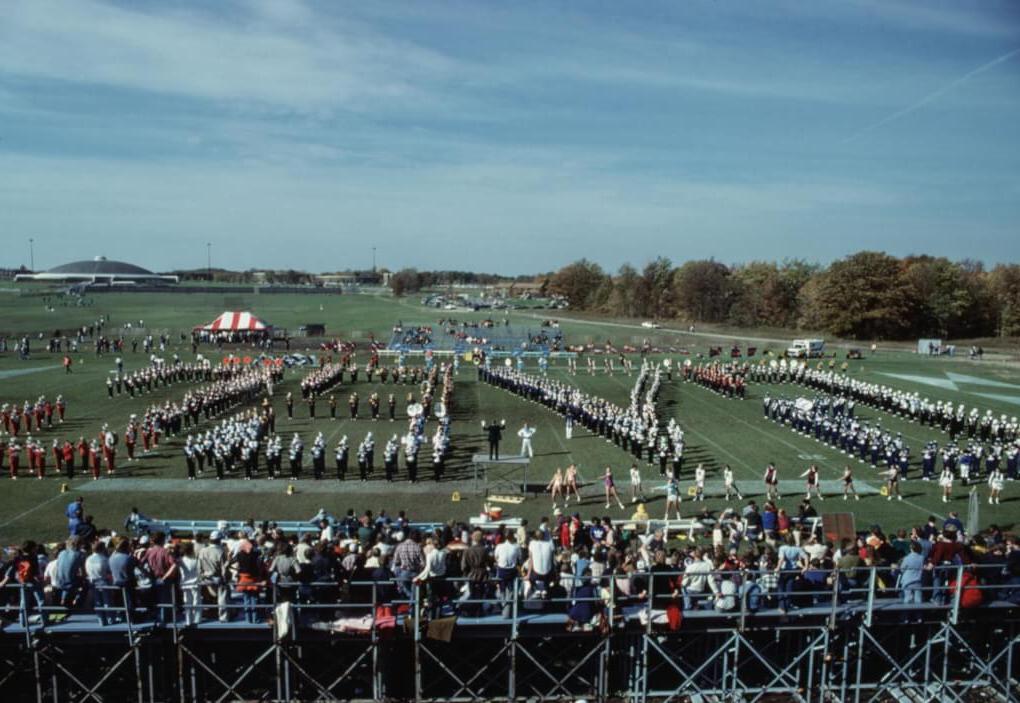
<point x="582" y="283"/>
<point x="864" y="296"/>
<point x="703" y="290"/>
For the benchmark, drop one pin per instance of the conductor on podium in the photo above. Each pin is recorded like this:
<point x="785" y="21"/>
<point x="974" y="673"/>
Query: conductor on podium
<point x="495" y="433"/>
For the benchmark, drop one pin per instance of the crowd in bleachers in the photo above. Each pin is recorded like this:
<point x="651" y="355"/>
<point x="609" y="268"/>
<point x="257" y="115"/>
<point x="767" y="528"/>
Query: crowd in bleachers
<point x="581" y="568"/>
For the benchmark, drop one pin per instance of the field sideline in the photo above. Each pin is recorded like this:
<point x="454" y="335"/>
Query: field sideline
<point x="719" y="430"/>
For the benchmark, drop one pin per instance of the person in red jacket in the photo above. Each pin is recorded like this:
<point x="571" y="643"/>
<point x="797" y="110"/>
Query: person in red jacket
<point x="970" y="590"/>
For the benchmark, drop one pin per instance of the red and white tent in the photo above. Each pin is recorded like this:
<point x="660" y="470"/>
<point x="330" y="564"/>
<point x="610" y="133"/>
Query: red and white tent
<point x="235" y="322"/>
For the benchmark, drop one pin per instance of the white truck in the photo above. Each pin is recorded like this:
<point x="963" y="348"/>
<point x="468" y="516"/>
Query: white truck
<point x="806" y="349"/>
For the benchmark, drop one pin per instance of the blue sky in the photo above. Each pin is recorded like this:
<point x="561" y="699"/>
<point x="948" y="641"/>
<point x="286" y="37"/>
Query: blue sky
<point x="507" y="137"/>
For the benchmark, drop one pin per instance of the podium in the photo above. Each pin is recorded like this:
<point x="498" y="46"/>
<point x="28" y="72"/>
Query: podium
<point x="506" y="475"/>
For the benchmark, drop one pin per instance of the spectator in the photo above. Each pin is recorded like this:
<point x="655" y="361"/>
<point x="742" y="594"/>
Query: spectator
<point x="249" y="578"/>
<point x="408" y="561"/>
<point x="122" y="575"/>
<point x="475" y="565"/>
<point x="97" y="571"/>
<point x="540" y="562"/>
<point x="162" y="566"/>
<point x="24" y="570"/>
<point x="71" y="572"/>
<point x="191" y="595"/>
<point x="212" y="571"/>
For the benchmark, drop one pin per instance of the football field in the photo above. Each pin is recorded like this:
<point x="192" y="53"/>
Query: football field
<point x="719" y="430"/>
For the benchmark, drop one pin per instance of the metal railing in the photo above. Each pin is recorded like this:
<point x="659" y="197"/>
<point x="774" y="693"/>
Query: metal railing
<point x="811" y="634"/>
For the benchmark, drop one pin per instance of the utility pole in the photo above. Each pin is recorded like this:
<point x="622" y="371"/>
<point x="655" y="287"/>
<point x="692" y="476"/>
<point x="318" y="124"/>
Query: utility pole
<point x="31" y="253"/>
<point x="208" y="260"/>
<point x="373" y="259"/>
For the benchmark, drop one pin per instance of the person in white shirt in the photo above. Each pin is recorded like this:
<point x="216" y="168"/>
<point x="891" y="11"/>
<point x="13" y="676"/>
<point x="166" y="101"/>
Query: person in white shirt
<point x="996" y="481"/>
<point x="699" y="483"/>
<point x="731" y="486"/>
<point x="97" y="573"/>
<point x="635" y="484"/>
<point x="540" y="561"/>
<point x="507" y="556"/>
<point x="726" y="595"/>
<point x="433" y="573"/>
<point x="526" y="433"/>
<point x="188" y="565"/>
<point x="697" y="579"/>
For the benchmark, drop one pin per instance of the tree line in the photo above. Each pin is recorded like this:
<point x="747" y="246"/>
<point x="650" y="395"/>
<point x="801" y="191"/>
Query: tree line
<point x="867" y="295"/>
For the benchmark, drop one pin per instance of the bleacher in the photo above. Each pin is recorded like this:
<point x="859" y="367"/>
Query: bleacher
<point x="498" y="338"/>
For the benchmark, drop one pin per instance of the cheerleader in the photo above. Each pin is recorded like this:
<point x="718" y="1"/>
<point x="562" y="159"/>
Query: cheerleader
<point x="848" y="483"/>
<point x="996" y="480"/>
<point x="635" y="484"/>
<point x="812" y="483"/>
<point x="946" y="481"/>
<point x="699" y="483"/>
<point x="672" y="495"/>
<point x="771" y="483"/>
<point x="555" y="486"/>
<point x="728" y="482"/>
<point x="610" y="487"/>
<point x="570" y="484"/>
<point x="892" y="485"/>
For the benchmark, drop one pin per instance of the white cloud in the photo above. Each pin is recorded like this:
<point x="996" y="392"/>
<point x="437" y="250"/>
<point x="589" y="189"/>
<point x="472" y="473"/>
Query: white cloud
<point x="277" y="58"/>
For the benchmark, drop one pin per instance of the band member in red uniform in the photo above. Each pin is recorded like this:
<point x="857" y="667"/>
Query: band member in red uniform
<point x="130" y="437"/>
<point x="94" y="459"/>
<point x="61" y="407"/>
<point x="40" y="413"/>
<point x="68" y="459"/>
<point x="40" y="460"/>
<point x="58" y="456"/>
<point x="14" y="458"/>
<point x="110" y="451"/>
<point x="83" y="454"/>
<point x="48" y="413"/>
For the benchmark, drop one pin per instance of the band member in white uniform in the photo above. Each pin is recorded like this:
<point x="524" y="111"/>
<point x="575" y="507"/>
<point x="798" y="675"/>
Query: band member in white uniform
<point x="526" y="433"/>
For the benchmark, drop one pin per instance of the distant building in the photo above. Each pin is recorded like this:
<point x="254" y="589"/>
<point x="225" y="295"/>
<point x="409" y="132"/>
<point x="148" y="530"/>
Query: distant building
<point x="358" y="278"/>
<point x="99" y="270"/>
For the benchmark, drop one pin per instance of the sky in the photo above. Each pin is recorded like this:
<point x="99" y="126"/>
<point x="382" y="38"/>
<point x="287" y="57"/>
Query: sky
<point x="506" y="137"/>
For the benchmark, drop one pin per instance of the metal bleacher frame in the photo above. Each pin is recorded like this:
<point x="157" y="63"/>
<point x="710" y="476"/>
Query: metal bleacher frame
<point x="846" y="645"/>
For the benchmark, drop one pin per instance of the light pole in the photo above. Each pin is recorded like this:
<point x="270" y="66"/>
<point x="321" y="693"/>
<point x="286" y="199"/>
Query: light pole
<point x="208" y="260"/>
<point x="373" y="259"/>
<point x="31" y="253"/>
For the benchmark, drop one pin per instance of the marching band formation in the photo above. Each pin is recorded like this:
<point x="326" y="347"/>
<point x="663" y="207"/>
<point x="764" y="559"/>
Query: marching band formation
<point x="982" y="446"/>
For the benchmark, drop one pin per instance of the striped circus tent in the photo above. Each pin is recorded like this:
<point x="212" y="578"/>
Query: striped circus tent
<point x="235" y="322"/>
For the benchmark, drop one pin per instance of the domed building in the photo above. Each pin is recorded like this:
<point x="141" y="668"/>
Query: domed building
<point x="99" y="270"/>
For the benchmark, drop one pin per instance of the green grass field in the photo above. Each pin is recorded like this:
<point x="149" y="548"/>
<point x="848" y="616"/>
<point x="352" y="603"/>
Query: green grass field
<point x="719" y="430"/>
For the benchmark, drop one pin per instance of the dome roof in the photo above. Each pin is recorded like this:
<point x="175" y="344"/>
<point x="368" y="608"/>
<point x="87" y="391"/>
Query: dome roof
<point x="100" y="266"/>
